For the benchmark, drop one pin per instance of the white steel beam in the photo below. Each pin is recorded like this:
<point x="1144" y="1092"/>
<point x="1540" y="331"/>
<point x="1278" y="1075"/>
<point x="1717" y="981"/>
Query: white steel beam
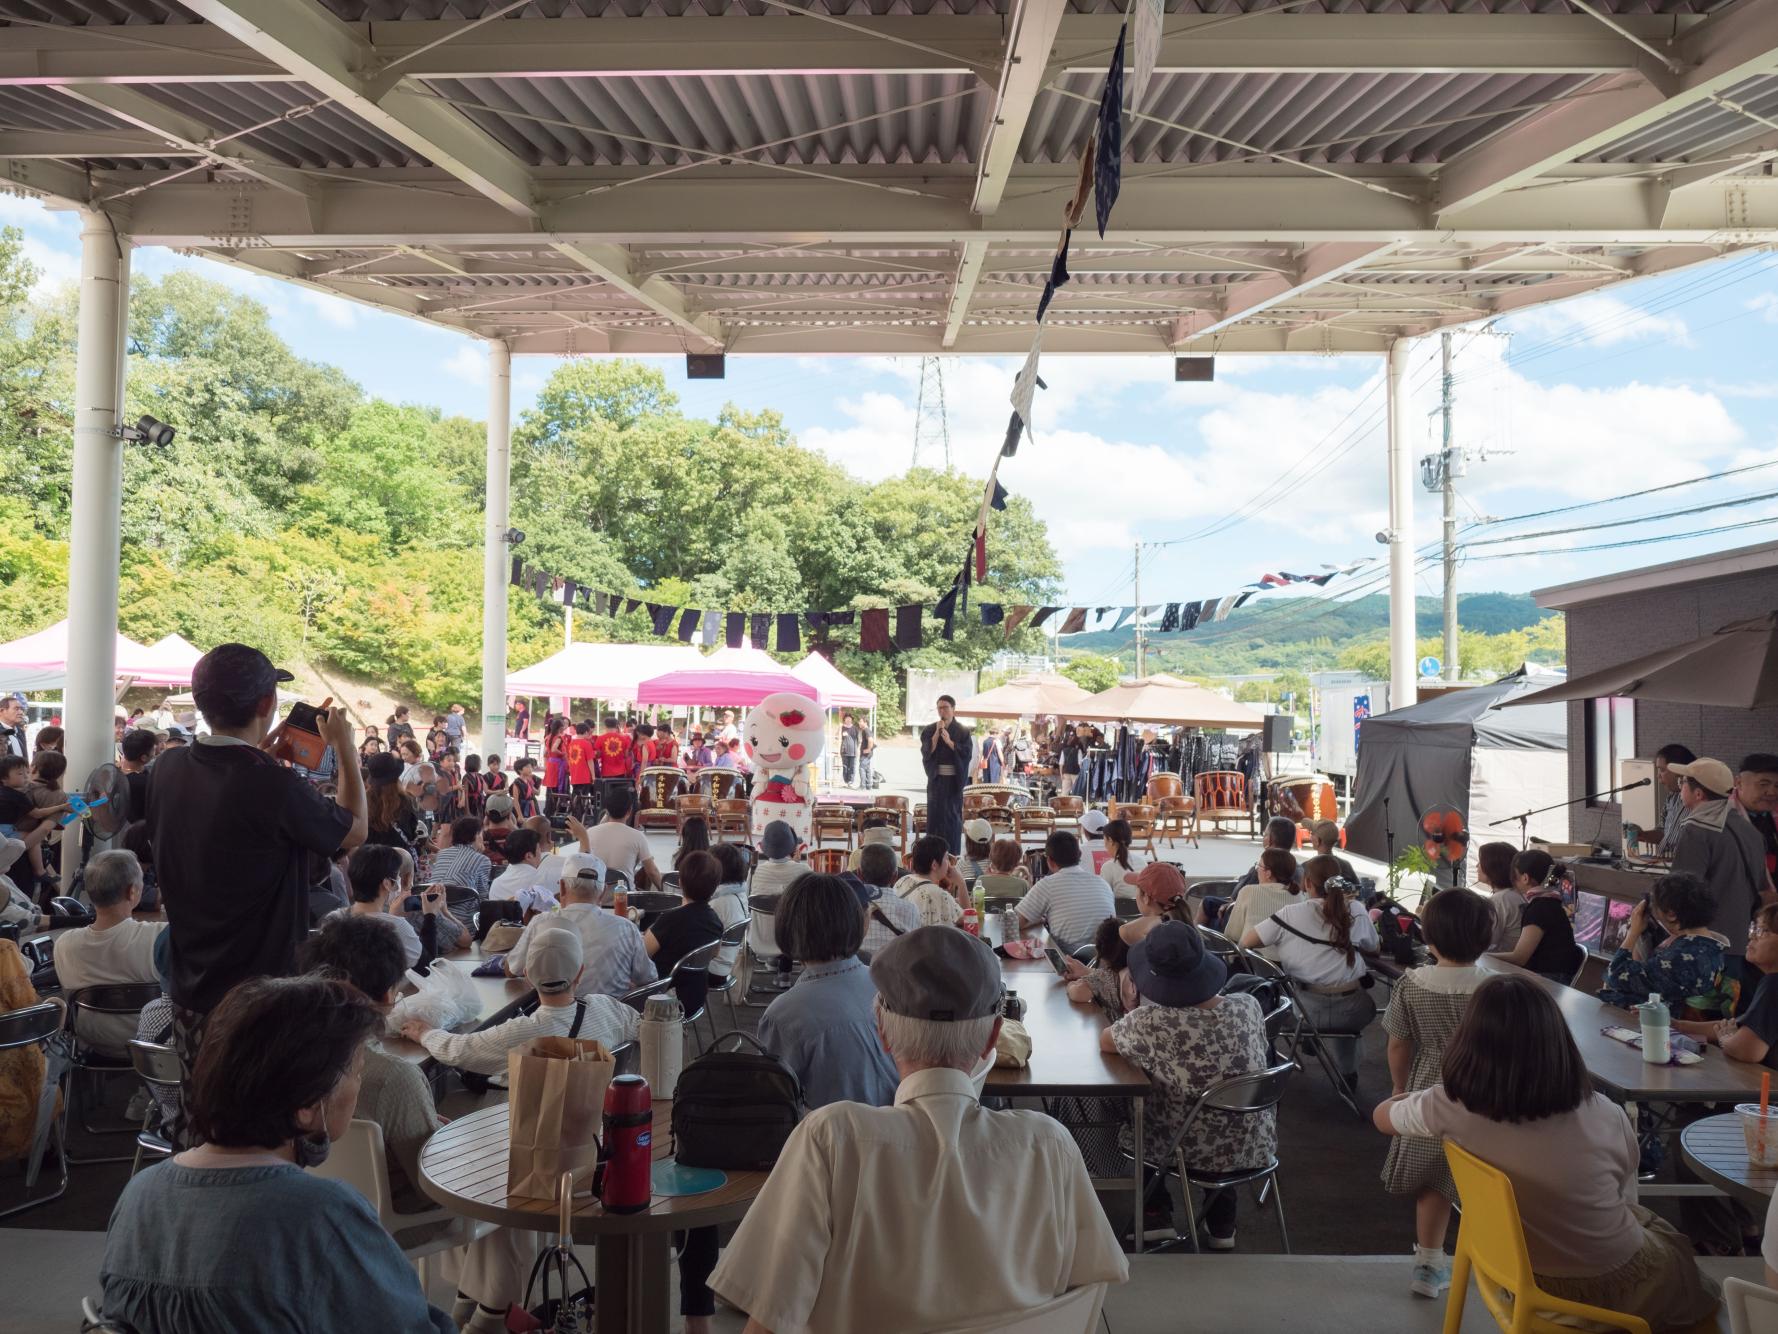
<point x="1034" y="27"/>
<point x="1721" y="53"/>
<point x="1403" y="692"/>
<point x="304" y="38"/>
<point x="496" y="551"/>
<point x="186" y="134"/>
<point x="86" y="143"/>
<point x="612" y="264"/>
<point x="1309" y="43"/>
<point x="1722" y="163"/>
<point x="969" y="271"/>
<point x="1316" y="265"/>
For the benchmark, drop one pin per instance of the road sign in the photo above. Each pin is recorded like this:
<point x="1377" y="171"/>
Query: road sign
<point x="1430" y="666"/>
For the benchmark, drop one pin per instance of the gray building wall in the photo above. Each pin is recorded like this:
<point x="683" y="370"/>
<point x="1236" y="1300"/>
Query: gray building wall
<point x="1613" y="630"/>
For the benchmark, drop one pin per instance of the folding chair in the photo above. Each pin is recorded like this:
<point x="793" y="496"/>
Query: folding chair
<point x="87" y="1066"/>
<point x="40" y="1026"/>
<point x="762" y="943"/>
<point x="698" y="961"/>
<point x="1263" y="967"/>
<point x="724" y="984"/>
<point x="1239" y="1095"/>
<point x="158" y="1068"/>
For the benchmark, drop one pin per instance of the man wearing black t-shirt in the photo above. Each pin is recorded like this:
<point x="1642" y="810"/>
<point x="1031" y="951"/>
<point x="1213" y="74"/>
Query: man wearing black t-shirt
<point x="237" y="838"/>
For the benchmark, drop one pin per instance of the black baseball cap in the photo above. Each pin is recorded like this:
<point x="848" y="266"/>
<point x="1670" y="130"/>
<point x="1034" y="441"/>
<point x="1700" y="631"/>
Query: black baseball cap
<point x="234" y="676"/>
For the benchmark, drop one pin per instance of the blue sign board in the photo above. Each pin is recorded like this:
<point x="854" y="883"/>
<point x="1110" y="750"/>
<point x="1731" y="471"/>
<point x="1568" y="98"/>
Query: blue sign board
<point x="1361" y="709"/>
<point x="1430" y="666"/>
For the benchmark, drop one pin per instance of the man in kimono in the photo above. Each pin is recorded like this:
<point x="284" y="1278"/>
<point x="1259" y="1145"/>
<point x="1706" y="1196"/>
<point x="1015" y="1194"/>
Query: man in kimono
<point x="946" y="749"/>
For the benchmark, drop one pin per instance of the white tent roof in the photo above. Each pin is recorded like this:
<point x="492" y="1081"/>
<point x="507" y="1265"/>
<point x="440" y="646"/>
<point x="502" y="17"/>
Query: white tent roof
<point x="601" y="671"/>
<point x="834" y="686"/>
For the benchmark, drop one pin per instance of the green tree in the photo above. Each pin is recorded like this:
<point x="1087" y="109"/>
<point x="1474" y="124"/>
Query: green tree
<point x="1092" y="671"/>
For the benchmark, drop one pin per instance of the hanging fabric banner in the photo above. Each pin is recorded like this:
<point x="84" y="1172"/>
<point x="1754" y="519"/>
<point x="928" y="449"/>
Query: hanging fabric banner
<point x="1015" y="617"/>
<point x="873" y="630"/>
<point x="1123" y="618"/>
<point x="945" y="609"/>
<point x="1043" y="614"/>
<point x="790" y="635"/>
<point x="518" y="569"/>
<point x="712" y="624"/>
<point x="1075" y="622"/>
<point x="1077" y="206"/>
<point x="734" y="629"/>
<point x="759" y="629"/>
<point x="688" y="625"/>
<point x="1145" y="44"/>
<point x="569" y="588"/>
<point x="1108" y="173"/>
<point x="992" y="613"/>
<point x="909" y="626"/>
<point x="660" y="617"/>
<point x="1025" y="384"/>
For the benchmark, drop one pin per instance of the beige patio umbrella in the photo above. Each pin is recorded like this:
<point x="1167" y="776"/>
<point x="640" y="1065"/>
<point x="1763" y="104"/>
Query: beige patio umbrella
<point x="1176" y="702"/>
<point x="1735" y="667"/>
<point x="1028" y="696"/>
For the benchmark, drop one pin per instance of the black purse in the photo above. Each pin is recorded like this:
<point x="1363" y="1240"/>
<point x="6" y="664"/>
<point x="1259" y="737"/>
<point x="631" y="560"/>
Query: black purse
<point x="735" y="1109"/>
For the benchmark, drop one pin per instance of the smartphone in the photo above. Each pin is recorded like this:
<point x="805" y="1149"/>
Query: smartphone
<point x="411" y="903"/>
<point x="300" y="742"/>
<point x="1057" y="959"/>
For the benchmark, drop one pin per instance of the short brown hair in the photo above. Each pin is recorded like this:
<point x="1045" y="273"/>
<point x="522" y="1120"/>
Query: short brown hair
<point x="1495" y="861"/>
<point x="1512" y="1058"/>
<point x="819" y="919"/>
<point x="1458" y="925"/>
<point x="699" y="875"/>
<point x="1005" y="856"/>
<point x="274" y="1046"/>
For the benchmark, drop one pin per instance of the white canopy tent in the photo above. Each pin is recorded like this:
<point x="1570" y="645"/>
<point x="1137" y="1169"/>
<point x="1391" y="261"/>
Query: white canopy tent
<point x="44" y="655"/>
<point x="601" y="671"/>
<point x="839" y="690"/>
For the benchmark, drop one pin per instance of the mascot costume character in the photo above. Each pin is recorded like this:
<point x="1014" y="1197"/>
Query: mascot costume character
<point x="784" y="737"/>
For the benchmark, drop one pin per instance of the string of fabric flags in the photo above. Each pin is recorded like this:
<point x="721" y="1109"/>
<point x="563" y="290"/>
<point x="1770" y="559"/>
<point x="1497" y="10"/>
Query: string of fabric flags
<point x="890" y="629"/>
<point x="1101" y="176"/>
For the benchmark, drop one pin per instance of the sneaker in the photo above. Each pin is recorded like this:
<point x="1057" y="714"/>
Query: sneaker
<point x="1219" y="1241"/>
<point x="1157" y="1223"/>
<point x="1431" y="1280"/>
<point x="137" y="1111"/>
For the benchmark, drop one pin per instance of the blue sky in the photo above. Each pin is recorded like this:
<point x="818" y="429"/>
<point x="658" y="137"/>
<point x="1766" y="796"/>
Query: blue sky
<point x="1647" y="384"/>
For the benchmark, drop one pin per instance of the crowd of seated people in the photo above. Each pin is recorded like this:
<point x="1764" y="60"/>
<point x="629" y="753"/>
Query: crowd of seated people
<point x="889" y="1027"/>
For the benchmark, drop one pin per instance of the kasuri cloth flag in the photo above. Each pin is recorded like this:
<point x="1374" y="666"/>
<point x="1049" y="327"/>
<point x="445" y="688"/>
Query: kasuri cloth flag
<point x="1077" y="206"/>
<point x="909" y="626"/>
<point x="1015" y="617"/>
<point x="1108" y="172"/>
<point x="1024" y="384"/>
<point x="1145" y="42"/>
<point x="790" y="634"/>
<point x="688" y="625"/>
<point x="873" y="630"/>
<point x="759" y="629"/>
<point x="1075" y="622"/>
<point x="734" y="629"/>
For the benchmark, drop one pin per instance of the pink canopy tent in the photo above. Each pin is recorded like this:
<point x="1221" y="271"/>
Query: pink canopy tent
<point x="47" y="650"/>
<point x="718" y="685"/>
<point x="177" y="655"/>
<point x="836" y="689"/>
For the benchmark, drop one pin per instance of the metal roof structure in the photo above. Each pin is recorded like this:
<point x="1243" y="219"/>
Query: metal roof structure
<point x="887" y="176"/>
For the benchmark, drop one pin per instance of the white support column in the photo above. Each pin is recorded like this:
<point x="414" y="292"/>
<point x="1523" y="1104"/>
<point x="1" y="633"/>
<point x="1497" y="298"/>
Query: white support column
<point x="496" y="554"/>
<point x="94" y="535"/>
<point x="1403" y="672"/>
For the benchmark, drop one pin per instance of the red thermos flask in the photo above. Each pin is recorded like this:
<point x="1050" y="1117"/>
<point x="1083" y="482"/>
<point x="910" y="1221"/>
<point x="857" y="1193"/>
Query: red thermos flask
<point x="629" y="1145"/>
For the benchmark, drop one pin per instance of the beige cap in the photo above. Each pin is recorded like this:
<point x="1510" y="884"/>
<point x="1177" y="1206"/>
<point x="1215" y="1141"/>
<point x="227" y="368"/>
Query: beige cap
<point x="1713" y="775"/>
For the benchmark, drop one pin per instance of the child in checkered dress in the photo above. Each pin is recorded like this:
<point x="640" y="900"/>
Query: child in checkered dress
<point x="1423" y="1013"/>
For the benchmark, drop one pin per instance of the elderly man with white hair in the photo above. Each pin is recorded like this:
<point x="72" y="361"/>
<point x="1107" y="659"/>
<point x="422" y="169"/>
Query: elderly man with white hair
<point x="934" y="1212"/>
<point x="116" y="948"/>
<point x="615" y="954"/>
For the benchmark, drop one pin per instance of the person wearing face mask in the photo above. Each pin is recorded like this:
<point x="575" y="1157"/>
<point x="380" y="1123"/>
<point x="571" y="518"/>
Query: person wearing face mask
<point x="899" y="1217"/>
<point x="234" y="1235"/>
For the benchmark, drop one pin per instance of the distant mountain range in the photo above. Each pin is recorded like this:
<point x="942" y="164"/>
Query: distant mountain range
<point x="1276" y="631"/>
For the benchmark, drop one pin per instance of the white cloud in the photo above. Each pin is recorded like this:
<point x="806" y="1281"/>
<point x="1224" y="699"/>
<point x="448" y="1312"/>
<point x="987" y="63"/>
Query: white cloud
<point x="1766" y="303"/>
<point x="51" y="241"/>
<point x="467" y="364"/>
<point x="337" y="311"/>
<point x="1598" y="321"/>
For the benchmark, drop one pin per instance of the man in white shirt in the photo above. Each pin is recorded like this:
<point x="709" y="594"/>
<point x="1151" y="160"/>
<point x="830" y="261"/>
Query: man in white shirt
<point x="936" y="887"/>
<point x="612" y="949"/>
<point x="523" y="877"/>
<point x="556" y="958"/>
<point x="781" y="859"/>
<point x="374" y="874"/>
<point x="899" y="1217"/>
<point x="619" y="846"/>
<point x="1071" y="901"/>
<point x="115" y="948"/>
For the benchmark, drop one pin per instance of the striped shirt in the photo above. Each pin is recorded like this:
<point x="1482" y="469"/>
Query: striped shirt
<point x="614" y="958"/>
<point x="463" y="866"/>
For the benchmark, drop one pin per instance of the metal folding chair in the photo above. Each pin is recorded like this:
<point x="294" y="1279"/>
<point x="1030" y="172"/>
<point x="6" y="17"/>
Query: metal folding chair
<point x="40" y="1025"/>
<point x="698" y="961"/>
<point x="1265" y="968"/>
<point x="735" y="938"/>
<point x="158" y="1068"/>
<point x="1239" y="1095"/>
<point x="89" y="1067"/>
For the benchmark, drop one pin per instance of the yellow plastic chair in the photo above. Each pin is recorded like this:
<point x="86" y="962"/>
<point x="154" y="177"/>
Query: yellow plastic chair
<point x="1491" y="1242"/>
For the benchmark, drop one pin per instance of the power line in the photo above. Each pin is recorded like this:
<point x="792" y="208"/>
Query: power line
<point x="1630" y="522"/>
<point x="1628" y="495"/>
<point x="1632" y="542"/>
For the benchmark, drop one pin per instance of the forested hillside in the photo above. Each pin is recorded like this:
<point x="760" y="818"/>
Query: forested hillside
<point x="297" y="513"/>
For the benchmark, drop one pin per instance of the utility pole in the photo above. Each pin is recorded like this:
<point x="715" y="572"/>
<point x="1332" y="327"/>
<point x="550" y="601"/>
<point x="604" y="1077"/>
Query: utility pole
<point x="1138" y="597"/>
<point x="1452" y="461"/>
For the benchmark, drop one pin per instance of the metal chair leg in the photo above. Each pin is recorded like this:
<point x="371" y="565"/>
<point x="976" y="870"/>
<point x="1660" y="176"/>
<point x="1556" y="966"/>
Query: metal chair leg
<point x="1278" y="1191"/>
<point x="1191" y="1213"/>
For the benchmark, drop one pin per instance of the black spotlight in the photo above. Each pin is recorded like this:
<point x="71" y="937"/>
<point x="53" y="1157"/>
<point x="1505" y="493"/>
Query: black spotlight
<point x="147" y="431"/>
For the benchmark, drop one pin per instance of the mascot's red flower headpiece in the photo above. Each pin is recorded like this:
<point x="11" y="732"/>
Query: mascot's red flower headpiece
<point x="792" y="717"/>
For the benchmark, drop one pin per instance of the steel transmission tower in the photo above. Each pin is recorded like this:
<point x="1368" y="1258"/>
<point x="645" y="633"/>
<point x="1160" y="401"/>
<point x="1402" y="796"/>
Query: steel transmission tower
<point x="932" y="427"/>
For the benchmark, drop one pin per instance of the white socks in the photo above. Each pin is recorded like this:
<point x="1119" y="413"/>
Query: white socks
<point x="1429" y="1255"/>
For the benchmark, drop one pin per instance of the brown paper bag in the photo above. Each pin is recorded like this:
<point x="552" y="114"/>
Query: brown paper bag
<point x="555" y="1102"/>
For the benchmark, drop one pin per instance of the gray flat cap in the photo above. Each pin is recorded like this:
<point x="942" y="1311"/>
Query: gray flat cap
<point x="937" y="972"/>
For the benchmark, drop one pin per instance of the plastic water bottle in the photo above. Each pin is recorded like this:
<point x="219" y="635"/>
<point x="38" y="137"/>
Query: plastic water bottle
<point x="1656" y="1030"/>
<point x="1009" y="925"/>
<point x="661" y="1035"/>
<point x="980" y="897"/>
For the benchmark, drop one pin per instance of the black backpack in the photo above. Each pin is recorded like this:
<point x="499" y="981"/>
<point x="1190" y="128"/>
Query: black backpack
<point x="735" y="1109"/>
